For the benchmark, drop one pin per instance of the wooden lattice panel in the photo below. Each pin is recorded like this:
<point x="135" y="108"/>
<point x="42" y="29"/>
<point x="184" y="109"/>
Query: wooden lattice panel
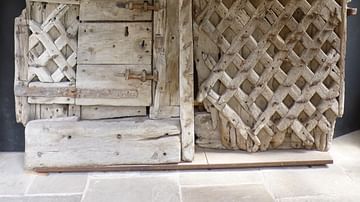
<point x="271" y="72"/>
<point x="53" y="42"/>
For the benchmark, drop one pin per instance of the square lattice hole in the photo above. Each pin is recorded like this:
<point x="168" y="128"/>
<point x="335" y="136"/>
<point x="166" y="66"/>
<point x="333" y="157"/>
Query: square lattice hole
<point x="330" y="115"/>
<point x="38" y="50"/>
<point x="273" y="84"/>
<point x="261" y="102"/>
<point x="215" y="19"/>
<point x="301" y="82"/>
<point x="315" y="99"/>
<point x="272" y="50"/>
<point x="228" y="3"/>
<point x="299" y="49"/>
<point x="255" y="3"/>
<point x="247" y="87"/>
<point x="229" y="35"/>
<point x="329" y="82"/>
<point x="326" y="47"/>
<point x="257" y="34"/>
<point x="245" y="52"/>
<point x="303" y="117"/>
<point x="283" y="2"/>
<point x="231" y="70"/>
<point x="275" y="118"/>
<point x="289" y="101"/>
<point x="219" y="88"/>
<point x="54" y="33"/>
<point x="312" y="31"/>
<point x="286" y="67"/>
<point x="67" y="51"/>
<point x="314" y="65"/>
<point x="298" y="15"/>
<point x="259" y="69"/>
<point x="285" y="32"/>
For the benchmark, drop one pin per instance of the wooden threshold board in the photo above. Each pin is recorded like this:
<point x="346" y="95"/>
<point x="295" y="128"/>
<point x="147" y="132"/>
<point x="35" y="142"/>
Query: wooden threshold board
<point x="218" y="159"/>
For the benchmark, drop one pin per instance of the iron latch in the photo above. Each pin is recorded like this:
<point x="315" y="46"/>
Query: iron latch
<point x="145" y="6"/>
<point x="143" y="76"/>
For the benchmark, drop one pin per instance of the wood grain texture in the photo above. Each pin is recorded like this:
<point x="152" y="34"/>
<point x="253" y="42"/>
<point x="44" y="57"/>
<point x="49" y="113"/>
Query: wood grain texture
<point x="101" y="143"/>
<point x="110" y="10"/>
<point x="115" y="43"/>
<point x="109" y="112"/>
<point x="103" y="77"/>
<point x="186" y="84"/>
<point x="57" y="1"/>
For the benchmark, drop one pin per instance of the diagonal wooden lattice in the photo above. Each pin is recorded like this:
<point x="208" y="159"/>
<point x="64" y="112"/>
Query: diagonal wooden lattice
<point x="45" y="48"/>
<point x="270" y="69"/>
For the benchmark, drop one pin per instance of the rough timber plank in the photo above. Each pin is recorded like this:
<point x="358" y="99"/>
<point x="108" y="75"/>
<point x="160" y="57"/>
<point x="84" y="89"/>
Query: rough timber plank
<point x="186" y="73"/>
<point x="110" y="10"/>
<point x="22" y="108"/>
<point x="166" y="59"/>
<point x="101" y="143"/>
<point x="108" y="112"/>
<point x="217" y="160"/>
<point x="103" y="77"/>
<point x="111" y="43"/>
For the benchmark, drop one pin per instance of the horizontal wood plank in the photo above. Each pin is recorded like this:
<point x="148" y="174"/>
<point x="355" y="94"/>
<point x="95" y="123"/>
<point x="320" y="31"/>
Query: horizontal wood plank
<point x="93" y="143"/>
<point x="113" y="77"/>
<point x="107" y="112"/>
<point x="57" y="1"/>
<point x="110" y="10"/>
<point x="111" y="43"/>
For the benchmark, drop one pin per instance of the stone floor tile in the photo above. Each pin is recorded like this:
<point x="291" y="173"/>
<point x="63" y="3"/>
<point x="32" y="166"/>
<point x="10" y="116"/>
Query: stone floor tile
<point x="14" y="184"/>
<point x="58" y="198"/>
<point x="324" y="198"/>
<point x="288" y="183"/>
<point x="58" y="183"/>
<point x="11" y="163"/>
<point x="232" y="193"/>
<point x="221" y="177"/>
<point x="134" y="189"/>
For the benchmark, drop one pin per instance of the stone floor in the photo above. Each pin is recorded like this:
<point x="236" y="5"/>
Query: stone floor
<point x="337" y="182"/>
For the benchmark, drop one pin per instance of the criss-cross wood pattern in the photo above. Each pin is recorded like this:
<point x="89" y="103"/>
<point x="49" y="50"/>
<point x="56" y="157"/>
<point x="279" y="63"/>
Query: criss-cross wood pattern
<point x="53" y="45"/>
<point x="271" y="71"/>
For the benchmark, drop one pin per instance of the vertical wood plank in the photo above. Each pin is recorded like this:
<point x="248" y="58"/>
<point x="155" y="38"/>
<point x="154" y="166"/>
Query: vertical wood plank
<point x="186" y="80"/>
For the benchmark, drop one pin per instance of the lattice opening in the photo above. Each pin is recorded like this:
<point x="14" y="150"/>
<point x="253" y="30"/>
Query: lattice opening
<point x="330" y="115"/>
<point x="286" y="67"/>
<point x="289" y="101"/>
<point x="215" y="19"/>
<point x="67" y="51"/>
<point x="257" y="34"/>
<point x="245" y="52"/>
<point x="298" y="15"/>
<point x="312" y="30"/>
<point x="283" y="2"/>
<point x="326" y="47"/>
<point x="275" y="118"/>
<point x="329" y="82"/>
<point x="272" y="50"/>
<point x="259" y="69"/>
<point x="255" y="3"/>
<point x="301" y="82"/>
<point x="261" y="102"/>
<point x="229" y="35"/>
<point x="54" y="33"/>
<point x="273" y="84"/>
<point x="228" y="3"/>
<point x="231" y="70"/>
<point x="303" y="117"/>
<point x="284" y="33"/>
<point x="316" y="100"/>
<point x="314" y="65"/>
<point x="299" y="49"/>
<point x="38" y="50"/>
<point x="219" y="88"/>
<point x="247" y="87"/>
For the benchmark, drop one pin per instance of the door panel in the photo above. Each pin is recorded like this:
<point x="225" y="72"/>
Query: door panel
<point x="115" y="43"/>
<point x="112" y="79"/>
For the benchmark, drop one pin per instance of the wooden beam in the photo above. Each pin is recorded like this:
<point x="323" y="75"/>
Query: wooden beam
<point x="186" y="80"/>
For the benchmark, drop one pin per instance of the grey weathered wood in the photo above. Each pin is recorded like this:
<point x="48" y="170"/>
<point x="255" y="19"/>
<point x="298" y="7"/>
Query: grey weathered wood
<point x="95" y="143"/>
<point x="108" y="112"/>
<point x="135" y="92"/>
<point x="110" y="10"/>
<point x="115" y="43"/>
<point x="166" y="60"/>
<point x="22" y="108"/>
<point x="186" y="84"/>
